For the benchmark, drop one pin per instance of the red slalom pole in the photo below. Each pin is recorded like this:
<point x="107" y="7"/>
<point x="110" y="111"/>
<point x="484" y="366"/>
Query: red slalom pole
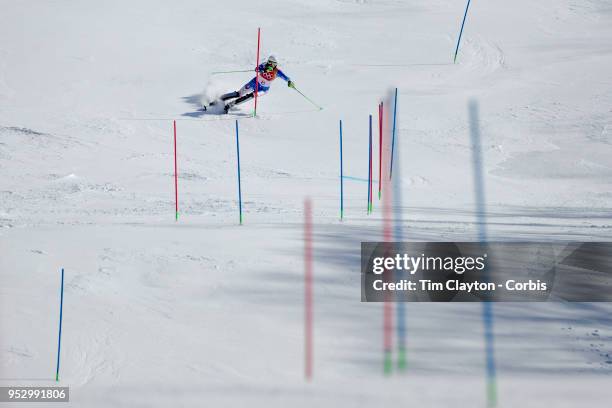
<point x="370" y="174"/>
<point x="308" y="314"/>
<point x="257" y="70"/>
<point x="380" y="143"/>
<point x="175" y="176"/>
<point x="388" y="274"/>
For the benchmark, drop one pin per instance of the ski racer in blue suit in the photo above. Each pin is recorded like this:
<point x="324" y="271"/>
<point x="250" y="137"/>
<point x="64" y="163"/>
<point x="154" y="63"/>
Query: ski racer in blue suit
<point x="266" y="73"/>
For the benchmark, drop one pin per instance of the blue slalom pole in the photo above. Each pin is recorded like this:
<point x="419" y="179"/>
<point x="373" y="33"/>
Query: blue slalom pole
<point x="487" y="316"/>
<point x="487" y="306"/>
<point x="393" y="136"/>
<point x="341" y="177"/>
<point x="370" y="169"/>
<point x="238" y="164"/>
<point x="461" y="31"/>
<point x="59" y="338"/>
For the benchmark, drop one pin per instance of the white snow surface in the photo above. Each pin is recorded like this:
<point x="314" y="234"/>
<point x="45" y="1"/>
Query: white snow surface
<point x="204" y="312"/>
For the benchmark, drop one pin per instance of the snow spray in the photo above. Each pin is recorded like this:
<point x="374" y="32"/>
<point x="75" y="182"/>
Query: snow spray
<point x="308" y="312"/>
<point x="479" y="193"/>
<point x="59" y="337"/>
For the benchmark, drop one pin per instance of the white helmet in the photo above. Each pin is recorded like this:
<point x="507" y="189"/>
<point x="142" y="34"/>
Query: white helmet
<point x="272" y="60"/>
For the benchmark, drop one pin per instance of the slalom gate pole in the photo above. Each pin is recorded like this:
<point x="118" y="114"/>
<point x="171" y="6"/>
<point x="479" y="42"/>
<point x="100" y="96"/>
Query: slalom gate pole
<point x="59" y="337"/>
<point x="461" y="31"/>
<point x="176" y="210"/>
<point x="308" y="281"/>
<point x="398" y="236"/>
<point x="380" y="143"/>
<point x="487" y="306"/>
<point x="341" y="177"/>
<point x="388" y="276"/>
<point x="393" y="133"/>
<point x="257" y="70"/>
<point x="238" y="166"/>
<point x="370" y="169"/>
<point x="307" y="98"/>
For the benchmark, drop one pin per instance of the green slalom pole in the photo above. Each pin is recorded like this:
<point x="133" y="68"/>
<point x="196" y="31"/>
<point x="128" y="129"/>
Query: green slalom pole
<point x="402" y="362"/>
<point x="307" y="98"/>
<point x="388" y="365"/>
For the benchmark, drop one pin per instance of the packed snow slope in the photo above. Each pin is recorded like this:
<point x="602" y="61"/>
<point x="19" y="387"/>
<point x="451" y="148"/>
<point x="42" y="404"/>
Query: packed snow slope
<point x="204" y="312"/>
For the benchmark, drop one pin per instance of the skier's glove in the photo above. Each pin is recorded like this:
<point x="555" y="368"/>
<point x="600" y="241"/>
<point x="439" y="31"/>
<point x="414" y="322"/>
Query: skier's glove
<point x="290" y="84"/>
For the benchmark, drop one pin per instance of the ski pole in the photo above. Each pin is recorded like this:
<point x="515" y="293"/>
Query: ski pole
<point x="307" y="98"/>
<point x="231" y="72"/>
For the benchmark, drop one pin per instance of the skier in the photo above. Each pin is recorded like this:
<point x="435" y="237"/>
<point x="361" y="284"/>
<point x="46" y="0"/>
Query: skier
<point x="266" y="73"/>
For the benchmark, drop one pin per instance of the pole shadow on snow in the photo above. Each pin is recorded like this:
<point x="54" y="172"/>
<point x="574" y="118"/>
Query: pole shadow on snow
<point x="523" y="332"/>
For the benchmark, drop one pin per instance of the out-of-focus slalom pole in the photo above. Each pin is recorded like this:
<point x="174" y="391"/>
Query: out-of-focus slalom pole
<point x="388" y="273"/>
<point x="176" y="210"/>
<point x="257" y="70"/>
<point x="370" y="169"/>
<point x="395" y="187"/>
<point x="380" y="143"/>
<point x="308" y="292"/>
<point x="59" y="337"/>
<point x="487" y="306"/>
<point x="393" y="134"/>
<point x="307" y="98"/>
<point x="467" y="7"/>
<point x="341" y="177"/>
<point x="238" y="165"/>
